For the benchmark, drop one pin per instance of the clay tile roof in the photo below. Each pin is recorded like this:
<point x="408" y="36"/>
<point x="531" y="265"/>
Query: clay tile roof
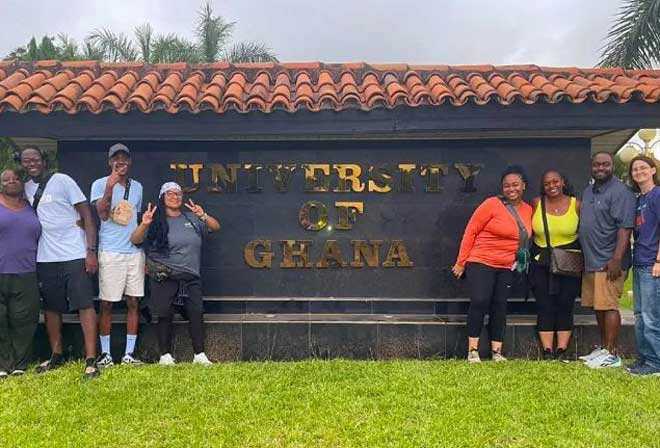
<point x="96" y="87"/>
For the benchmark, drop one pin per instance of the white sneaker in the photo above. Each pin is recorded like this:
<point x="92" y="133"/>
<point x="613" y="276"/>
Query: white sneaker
<point x="497" y="357"/>
<point x="200" y="358"/>
<point x="607" y="362"/>
<point x="597" y="352"/>
<point x="128" y="359"/>
<point x="3" y="374"/>
<point x="473" y="357"/>
<point x="598" y="359"/>
<point x="167" y="360"/>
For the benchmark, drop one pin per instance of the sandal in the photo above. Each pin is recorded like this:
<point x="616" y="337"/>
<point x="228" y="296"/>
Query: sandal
<point x="55" y="362"/>
<point x="91" y="370"/>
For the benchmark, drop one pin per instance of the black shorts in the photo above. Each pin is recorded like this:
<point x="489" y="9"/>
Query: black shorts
<point x="65" y="286"/>
<point x="162" y="296"/>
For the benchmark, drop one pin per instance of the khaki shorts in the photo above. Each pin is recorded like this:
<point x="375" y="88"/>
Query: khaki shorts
<point x="120" y="274"/>
<point x="600" y="293"/>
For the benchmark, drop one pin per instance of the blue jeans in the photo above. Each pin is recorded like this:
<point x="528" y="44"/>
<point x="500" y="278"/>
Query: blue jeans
<point x="646" y="293"/>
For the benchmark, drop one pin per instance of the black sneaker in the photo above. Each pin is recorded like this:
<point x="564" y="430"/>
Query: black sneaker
<point x="547" y="354"/>
<point x="560" y="355"/>
<point x="55" y="362"/>
<point x="104" y="361"/>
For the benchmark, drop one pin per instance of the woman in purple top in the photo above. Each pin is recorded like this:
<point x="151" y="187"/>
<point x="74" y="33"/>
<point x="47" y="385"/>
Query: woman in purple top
<point x="646" y="266"/>
<point x="19" y="293"/>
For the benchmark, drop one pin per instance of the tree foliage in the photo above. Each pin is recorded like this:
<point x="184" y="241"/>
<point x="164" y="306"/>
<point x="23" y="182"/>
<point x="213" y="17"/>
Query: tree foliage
<point x="634" y="38"/>
<point x="211" y="43"/>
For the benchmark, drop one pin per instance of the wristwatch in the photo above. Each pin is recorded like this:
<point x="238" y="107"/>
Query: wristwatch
<point x="204" y="217"/>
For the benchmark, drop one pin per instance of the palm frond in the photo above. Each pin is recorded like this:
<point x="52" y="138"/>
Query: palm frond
<point x="212" y="32"/>
<point x="115" y="47"/>
<point x="172" y="48"/>
<point x="91" y="51"/>
<point x="634" y="39"/>
<point x="143" y="34"/>
<point x="249" y="52"/>
<point x="67" y="48"/>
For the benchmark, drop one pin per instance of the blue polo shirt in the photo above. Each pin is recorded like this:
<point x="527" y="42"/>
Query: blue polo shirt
<point x="604" y="210"/>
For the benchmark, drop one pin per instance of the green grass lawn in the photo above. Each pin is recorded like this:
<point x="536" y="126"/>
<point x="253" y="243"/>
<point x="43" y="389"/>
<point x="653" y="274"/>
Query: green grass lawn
<point x="333" y="404"/>
<point x="627" y="298"/>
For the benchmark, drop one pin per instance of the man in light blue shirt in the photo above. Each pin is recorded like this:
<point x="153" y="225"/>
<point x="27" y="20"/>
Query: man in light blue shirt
<point x="118" y="199"/>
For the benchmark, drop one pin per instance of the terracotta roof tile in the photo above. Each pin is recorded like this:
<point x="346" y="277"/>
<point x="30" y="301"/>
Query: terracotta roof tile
<point x="92" y="86"/>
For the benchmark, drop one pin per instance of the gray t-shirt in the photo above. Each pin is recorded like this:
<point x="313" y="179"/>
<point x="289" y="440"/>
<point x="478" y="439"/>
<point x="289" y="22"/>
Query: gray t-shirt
<point x="604" y="210"/>
<point x="185" y="237"/>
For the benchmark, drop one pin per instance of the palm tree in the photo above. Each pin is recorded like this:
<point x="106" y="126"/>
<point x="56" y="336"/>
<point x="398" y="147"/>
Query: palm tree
<point x="634" y="38"/>
<point x="212" y="35"/>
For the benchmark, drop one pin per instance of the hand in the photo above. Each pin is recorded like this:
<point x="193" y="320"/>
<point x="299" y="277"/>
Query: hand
<point x="458" y="271"/>
<point x="613" y="269"/>
<point x="148" y="215"/>
<point x="114" y="177"/>
<point x="91" y="263"/>
<point x="655" y="272"/>
<point x="195" y="208"/>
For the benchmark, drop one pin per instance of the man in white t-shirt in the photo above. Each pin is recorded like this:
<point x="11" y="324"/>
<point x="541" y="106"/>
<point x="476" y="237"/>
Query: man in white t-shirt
<point x="118" y="200"/>
<point x="66" y="255"/>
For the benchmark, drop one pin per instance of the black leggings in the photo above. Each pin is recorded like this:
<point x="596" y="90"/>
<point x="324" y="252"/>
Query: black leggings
<point x="163" y="295"/>
<point x="489" y="291"/>
<point x="555" y="311"/>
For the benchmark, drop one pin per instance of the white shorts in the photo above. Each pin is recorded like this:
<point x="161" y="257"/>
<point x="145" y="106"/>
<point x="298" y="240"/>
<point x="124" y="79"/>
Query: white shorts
<point x="120" y="274"/>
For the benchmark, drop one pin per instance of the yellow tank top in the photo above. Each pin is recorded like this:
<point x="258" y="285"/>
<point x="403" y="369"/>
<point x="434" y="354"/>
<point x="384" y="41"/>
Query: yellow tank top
<point x="563" y="229"/>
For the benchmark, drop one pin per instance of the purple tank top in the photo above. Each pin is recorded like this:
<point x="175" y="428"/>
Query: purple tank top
<point x="19" y="236"/>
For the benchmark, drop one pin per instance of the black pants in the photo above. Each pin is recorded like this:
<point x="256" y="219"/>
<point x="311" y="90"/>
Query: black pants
<point x="19" y="316"/>
<point x="489" y="291"/>
<point x="162" y="297"/>
<point x="554" y="301"/>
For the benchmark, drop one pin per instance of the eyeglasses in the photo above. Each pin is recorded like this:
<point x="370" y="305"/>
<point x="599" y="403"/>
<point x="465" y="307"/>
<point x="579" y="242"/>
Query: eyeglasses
<point x="173" y="194"/>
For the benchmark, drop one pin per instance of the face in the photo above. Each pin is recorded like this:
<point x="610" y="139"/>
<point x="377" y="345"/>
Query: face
<point x="173" y="199"/>
<point x="120" y="163"/>
<point x="12" y="184"/>
<point x="513" y="187"/>
<point x="602" y="167"/>
<point x="553" y="184"/>
<point x="32" y="162"/>
<point x="642" y="173"/>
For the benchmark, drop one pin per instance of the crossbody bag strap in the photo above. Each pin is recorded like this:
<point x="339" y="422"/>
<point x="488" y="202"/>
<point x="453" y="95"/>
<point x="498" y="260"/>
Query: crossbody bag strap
<point x="523" y="237"/>
<point x="546" y="229"/>
<point x="40" y="191"/>
<point x="127" y="190"/>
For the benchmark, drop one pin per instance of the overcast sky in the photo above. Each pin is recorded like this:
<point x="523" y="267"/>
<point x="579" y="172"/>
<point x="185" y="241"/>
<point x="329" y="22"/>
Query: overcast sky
<point x="544" y="32"/>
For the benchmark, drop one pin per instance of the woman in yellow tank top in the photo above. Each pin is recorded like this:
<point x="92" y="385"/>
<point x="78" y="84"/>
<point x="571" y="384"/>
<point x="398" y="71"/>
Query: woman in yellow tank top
<point x="555" y="295"/>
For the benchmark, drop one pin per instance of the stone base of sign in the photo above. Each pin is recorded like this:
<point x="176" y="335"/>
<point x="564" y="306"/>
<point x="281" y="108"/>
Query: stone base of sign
<point x="288" y="337"/>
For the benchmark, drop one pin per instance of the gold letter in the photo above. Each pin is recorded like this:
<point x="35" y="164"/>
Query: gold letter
<point x="397" y="256"/>
<point x="406" y="185"/>
<point x="180" y="175"/>
<point x="253" y="177"/>
<point x="266" y="257"/>
<point x="229" y="178"/>
<point x="348" y="212"/>
<point x="331" y="253"/>
<point x="289" y="251"/>
<point x="362" y="249"/>
<point x="305" y="218"/>
<point x="468" y="172"/>
<point x="383" y="175"/>
<point x="282" y="175"/>
<point x="433" y="171"/>
<point x="348" y="173"/>
<point x="314" y="184"/>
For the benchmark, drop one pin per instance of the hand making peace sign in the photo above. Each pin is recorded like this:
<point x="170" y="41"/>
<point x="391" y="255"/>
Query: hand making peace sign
<point x="148" y="215"/>
<point x="195" y="208"/>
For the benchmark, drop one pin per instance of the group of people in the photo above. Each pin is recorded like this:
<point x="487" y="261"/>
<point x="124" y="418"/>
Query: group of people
<point x="563" y="247"/>
<point x="49" y="252"/>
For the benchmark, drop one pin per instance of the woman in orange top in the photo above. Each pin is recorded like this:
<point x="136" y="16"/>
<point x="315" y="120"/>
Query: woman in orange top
<point x="493" y="247"/>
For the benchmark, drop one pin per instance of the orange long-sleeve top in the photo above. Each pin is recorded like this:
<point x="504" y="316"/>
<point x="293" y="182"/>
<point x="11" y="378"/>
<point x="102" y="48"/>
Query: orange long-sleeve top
<point x="491" y="235"/>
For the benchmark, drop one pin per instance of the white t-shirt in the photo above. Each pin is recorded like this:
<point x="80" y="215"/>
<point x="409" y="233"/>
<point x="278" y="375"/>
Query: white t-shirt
<point x="61" y="237"/>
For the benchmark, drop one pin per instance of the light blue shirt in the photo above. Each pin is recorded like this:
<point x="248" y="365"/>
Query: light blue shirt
<point x="114" y="237"/>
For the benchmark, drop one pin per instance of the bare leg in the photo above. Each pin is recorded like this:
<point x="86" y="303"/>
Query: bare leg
<point x="612" y="320"/>
<point x="132" y="317"/>
<point x="496" y="346"/>
<point x="88" y="324"/>
<point x="547" y="339"/>
<point x="600" y="319"/>
<point x="563" y="339"/>
<point x="54" y="330"/>
<point x="105" y="318"/>
<point x="473" y="343"/>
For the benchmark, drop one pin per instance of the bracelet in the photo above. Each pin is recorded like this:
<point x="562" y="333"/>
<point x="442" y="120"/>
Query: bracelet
<point x="204" y="217"/>
<point x="91" y="249"/>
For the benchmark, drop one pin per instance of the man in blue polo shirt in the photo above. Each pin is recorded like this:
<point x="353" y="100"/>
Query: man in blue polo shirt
<point x="118" y="200"/>
<point x="607" y="217"/>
